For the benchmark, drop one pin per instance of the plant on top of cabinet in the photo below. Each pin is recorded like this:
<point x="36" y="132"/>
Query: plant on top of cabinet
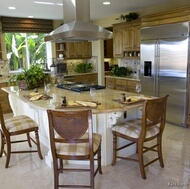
<point x="128" y="17"/>
<point x="121" y="71"/>
<point x="84" y="67"/>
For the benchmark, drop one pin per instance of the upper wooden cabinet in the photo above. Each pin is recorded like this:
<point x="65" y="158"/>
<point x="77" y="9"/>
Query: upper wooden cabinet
<point x="126" y="39"/>
<point x="108" y="48"/>
<point x="74" y="50"/>
<point x="131" y="38"/>
<point x="117" y="41"/>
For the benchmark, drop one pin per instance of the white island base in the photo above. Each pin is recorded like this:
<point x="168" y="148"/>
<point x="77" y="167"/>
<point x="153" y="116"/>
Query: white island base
<point x="102" y="123"/>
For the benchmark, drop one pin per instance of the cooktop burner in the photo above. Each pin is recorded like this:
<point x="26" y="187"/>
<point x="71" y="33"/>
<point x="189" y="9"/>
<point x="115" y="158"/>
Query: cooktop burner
<point x="79" y="87"/>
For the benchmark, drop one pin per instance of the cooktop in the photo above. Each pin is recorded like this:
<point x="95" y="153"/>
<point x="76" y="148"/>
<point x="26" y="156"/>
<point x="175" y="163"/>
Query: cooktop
<point x="80" y="87"/>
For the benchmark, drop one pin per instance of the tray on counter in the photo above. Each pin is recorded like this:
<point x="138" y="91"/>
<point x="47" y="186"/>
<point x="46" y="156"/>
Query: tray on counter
<point x="128" y="102"/>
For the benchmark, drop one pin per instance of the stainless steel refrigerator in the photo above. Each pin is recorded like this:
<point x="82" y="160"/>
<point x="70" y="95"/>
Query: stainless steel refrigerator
<point x="164" y="67"/>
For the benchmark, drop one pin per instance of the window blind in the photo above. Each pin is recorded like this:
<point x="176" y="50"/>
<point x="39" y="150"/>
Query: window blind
<point x="26" y="25"/>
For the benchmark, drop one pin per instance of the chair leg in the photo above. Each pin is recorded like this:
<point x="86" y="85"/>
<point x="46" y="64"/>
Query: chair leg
<point x="38" y="144"/>
<point x="56" y="174"/>
<point x="159" y="148"/>
<point x="114" y="149"/>
<point x="140" y="159"/>
<point x="99" y="161"/>
<point x="2" y="144"/>
<point x="61" y="164"/>
<point x="91" y="173"/>
<point x="28" y="139"/>
<point x="8" y="142"/>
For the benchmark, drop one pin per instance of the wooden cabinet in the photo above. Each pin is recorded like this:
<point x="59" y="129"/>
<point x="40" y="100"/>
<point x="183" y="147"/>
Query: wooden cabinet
<point x="4" y="99"/>
<point x="122" y="84"/>
<point x="110" y="82"/>
<point x="87" y="78"/>
<point x="132" y="85"/>
<point x="117" y="42"/>
<point x="108" y="48"/>
<point x="126" y="39"/>
<point x="74" y="50"/>
<point x="131" y="38"/>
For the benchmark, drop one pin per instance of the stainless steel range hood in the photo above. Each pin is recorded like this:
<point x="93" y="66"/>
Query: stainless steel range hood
<point x="77" y="25"/>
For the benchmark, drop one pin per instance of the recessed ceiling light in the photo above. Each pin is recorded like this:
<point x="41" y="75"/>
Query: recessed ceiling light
<point x="30" y="17"/>
<point x="12" y="8"/>
<point x="106" y="3"/>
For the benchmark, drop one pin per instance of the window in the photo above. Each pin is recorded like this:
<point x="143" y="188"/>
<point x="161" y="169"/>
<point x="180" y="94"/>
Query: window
<point x="25" y="40"/>
<point x="24" y="49"/>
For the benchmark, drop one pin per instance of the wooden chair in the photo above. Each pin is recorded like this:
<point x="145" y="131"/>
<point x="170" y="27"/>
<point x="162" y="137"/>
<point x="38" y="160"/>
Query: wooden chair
<point x="17" y="125"/>
<point x="139" y="131"/>
<point x="70" y="141"/>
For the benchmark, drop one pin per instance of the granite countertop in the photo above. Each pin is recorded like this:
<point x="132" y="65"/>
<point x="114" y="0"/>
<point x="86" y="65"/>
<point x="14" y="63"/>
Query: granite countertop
<point x="104" y="97"/>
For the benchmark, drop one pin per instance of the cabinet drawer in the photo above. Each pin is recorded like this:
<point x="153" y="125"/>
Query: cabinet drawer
<point x="132" y="86"/>
<point x="121" y="84"/>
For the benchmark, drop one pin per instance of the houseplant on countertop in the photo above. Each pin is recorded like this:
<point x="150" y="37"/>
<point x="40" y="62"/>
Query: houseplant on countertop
<point x="84" y="67"/>
<point x="121" y="71"/>
<point x="30" y="78"/>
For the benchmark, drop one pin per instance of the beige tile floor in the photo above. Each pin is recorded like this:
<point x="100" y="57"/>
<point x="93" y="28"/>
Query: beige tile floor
<point x="29" y="172"/>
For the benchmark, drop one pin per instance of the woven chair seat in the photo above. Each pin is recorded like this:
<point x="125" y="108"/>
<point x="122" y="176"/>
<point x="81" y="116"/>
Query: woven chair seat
<point x="19" y="123"/>
<point x="133" y="128"/>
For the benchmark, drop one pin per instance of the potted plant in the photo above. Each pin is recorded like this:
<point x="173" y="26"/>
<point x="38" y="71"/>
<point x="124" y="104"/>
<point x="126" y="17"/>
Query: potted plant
<point x="30" y="78"/>
<point x="84" y="67"/>
<point x="121" y="71"/>
<point x="128" y="17"/>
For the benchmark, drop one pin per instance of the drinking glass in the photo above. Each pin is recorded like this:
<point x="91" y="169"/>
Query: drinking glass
<point x="47" y="88"/>
<point x="92" y="91"/>
<point x="138" y="88"/>
<point x="47" y="85"/>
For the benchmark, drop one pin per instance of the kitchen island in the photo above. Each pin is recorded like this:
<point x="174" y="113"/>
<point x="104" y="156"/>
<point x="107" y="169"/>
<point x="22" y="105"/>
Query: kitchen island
<point x="107" y="113"/>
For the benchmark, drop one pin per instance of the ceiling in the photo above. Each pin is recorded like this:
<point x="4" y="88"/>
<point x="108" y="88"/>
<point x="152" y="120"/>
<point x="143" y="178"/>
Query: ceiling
<point x="25" y="8"/>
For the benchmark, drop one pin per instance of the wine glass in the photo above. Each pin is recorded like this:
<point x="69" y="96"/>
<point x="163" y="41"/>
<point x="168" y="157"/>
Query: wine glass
<point x="138" y="88"/>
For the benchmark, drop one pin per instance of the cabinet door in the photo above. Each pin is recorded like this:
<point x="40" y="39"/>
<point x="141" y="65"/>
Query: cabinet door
<point x="121" y="84"/>
<point x="132" y="86"/>
<point x="117" y="43"/>
<point x="137" y="35"/>
<point x="87" y="78"/>
<point x="110" y="83"/>
<point x="108" y="48"/>
<point x="128" y="38"/>
<point x="86" y="50"/>
<point x="72" y="50"/>
<point x="79" y="48"/>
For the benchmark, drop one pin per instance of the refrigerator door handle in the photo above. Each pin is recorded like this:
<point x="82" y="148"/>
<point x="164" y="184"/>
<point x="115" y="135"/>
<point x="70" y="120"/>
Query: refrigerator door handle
<point x="156" y="64"/>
